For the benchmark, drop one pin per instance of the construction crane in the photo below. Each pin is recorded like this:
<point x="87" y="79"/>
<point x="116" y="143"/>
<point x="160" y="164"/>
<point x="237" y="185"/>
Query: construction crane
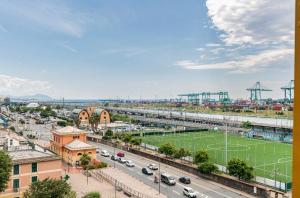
<point x="288" y="91"/>
<point x="255" y="91"/>
<point x="195" y="98"/>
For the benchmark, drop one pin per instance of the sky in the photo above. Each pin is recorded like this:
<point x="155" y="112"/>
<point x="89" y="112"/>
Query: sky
<point x="144" y="49"/>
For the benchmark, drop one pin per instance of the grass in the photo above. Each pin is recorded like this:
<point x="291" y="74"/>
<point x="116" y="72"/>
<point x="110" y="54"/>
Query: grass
<point x="264" y="156"/>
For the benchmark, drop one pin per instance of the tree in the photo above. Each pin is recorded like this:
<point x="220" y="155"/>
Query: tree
<point x="108" y="135"/>
<point x="49" y="188"/>
<point x="5" y="169"/>
<point x="136" y="141"/>
<point x="239" y="168"/>
<point x="62" y="123"/>
<point x="246" y="124"/>
<point x="182" y="152"/>
<point x="94" y="121"/>
<point x="167" y="148"/>
<point x="127" y="138"/>
<point x="85" y="160"/>
<point x="207" y="168"/>
<point x="92" y="195"/>
<point x="201" y="157"/>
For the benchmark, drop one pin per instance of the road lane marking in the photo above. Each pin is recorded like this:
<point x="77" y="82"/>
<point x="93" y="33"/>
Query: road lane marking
<point x="174" y="191"/>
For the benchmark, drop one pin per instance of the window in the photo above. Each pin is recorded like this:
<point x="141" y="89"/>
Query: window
<point x="16" y="183"/>
<point x="104" y="117"/>
<point x="104" y="113"/>
<point x="34" y="167"/>
<point x="11" y="142"/>
<point x="16" y="169"/>
<point x="76" y="137"/>
<point x="33" y="179"/>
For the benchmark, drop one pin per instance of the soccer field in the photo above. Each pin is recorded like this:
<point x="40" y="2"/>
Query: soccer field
<point x="272" y="160"/>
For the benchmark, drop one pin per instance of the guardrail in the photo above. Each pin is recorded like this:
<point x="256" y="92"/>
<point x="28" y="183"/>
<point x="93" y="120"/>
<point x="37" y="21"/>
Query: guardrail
<point x="100" y="175"/>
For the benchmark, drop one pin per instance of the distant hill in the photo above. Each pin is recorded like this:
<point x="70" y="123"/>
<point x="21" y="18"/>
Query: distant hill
<point x="36" y="97"/>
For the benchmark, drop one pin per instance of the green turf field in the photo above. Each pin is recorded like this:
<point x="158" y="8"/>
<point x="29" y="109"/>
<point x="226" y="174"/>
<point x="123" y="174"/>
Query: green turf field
<point x="264" y="156"/>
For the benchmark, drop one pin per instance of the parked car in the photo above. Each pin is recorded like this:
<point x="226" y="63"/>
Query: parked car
<point x="185" y="180"/>
<point x="152" y="166"/>
<point x="129" y="163"/>
<point x="105" y="153"/>
<point x="121" y="154"/>
<point x="189" y="192"/>
<point x="97" y="150"/>
<point x="147" y="171"/>
<point x="114" y="157"/>
<point x="121" y="160"/>
<point x="168" y="179"/>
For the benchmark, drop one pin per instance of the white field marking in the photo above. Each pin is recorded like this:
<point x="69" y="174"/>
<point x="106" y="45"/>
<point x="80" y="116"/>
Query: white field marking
<point x="133" y="156"/>
<point x="174" y="191"/>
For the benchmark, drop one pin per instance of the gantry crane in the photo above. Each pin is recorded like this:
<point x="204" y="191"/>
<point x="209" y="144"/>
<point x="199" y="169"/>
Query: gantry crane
<point x="255" y="91"/>
<point x="288" y="91"/>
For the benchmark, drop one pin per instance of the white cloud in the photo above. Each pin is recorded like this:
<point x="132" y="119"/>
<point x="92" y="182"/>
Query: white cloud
<point x="51" y="15"/>
<point x="253" y="21"/>
<point x="248" y="63"/>
<point x="200" y="49"/>
<point x="212" y="45"/>
<point x="10" y="85"/>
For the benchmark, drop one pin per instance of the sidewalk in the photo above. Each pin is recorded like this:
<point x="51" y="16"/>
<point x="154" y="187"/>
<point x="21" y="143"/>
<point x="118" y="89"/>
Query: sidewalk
<point x="132" y="182"/>
<point x="79" y="184"/>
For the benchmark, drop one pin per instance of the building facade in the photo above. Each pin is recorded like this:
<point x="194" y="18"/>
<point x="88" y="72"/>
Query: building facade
<point x="84" y="115"/>
<point x="28" y="167"/>
<point x="70" y="143"/>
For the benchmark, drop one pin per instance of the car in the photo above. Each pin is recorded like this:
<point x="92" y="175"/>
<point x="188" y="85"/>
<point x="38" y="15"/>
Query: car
<point x="147" y="171"/>
<point x="104" y="153"/>
<point x="114" y="157"/>
<point x="97" y="150"/>
<point x="152" y="166"/>
<point x="121" y="160"/>
<point x="167" y="179"/>
<point x="129" y="163"/>
<point x="120" y="154"/>
<point x="185" y="180"/>
<point x="189" y="192"/>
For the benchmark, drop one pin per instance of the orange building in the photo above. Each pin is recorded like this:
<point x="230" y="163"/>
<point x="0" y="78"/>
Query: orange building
<point x="70" y="143"/>
<point x="85" y="114"/>
<point x="28" y="167"/>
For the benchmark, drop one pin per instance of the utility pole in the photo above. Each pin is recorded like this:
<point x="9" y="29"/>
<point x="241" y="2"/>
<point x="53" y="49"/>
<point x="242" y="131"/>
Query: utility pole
<point x="159" y="176"/>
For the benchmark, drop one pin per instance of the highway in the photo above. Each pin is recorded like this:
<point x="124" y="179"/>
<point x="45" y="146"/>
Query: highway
<point x="204" y="188"/>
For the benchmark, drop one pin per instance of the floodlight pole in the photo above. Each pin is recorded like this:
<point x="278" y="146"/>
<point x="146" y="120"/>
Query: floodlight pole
<point x="226" y="143"/>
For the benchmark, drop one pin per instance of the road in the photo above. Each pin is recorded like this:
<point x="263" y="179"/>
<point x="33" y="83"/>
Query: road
<point x="204" y="188"/>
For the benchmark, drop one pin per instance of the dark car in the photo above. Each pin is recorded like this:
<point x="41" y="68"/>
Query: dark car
<point x="120" y="154"/>
<point x="147" y="171"/>
<point x="185" y="180"/>
<point x="114" y="157"/>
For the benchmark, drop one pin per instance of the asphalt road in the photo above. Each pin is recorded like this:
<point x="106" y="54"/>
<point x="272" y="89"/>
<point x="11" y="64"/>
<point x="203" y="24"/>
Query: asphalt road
<point x="204" y="188"/>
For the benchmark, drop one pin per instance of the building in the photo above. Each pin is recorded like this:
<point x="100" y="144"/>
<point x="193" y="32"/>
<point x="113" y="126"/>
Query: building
<point x="28" y="167"/>
<point x="70" y="143"/>
<point x="85" y="114"/>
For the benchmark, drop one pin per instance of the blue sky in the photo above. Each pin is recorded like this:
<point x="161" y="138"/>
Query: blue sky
<point x="148" y="49"/>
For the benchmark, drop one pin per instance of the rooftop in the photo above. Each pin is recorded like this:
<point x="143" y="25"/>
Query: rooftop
<point x="69" y="130"/>
<point x="79" y="145"/>
<point x="29" y="156"/>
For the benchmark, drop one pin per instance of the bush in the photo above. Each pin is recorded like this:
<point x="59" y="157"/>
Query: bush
<point x="240" y="169"/>
<point x="201" y="157"/>
<point x="168" y="149"/>
<point x="101" y="165"/>
<point x="92" y="195"/>
<point x="12" y="128"/>
<point x="62" y="123"/>
<point x="207" y="168"/>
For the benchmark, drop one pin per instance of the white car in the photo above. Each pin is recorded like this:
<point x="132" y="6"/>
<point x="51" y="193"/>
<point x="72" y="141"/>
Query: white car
<point x="121" y="160"/>
<point x="129" y="163"/>
<point x="152" y="166"/>
<point x="104" y="153"/>
<point x="189" y="192"/>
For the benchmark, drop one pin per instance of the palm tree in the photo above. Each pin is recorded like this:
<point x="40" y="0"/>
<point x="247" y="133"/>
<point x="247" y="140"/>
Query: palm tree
<point x="94" y="121"/>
